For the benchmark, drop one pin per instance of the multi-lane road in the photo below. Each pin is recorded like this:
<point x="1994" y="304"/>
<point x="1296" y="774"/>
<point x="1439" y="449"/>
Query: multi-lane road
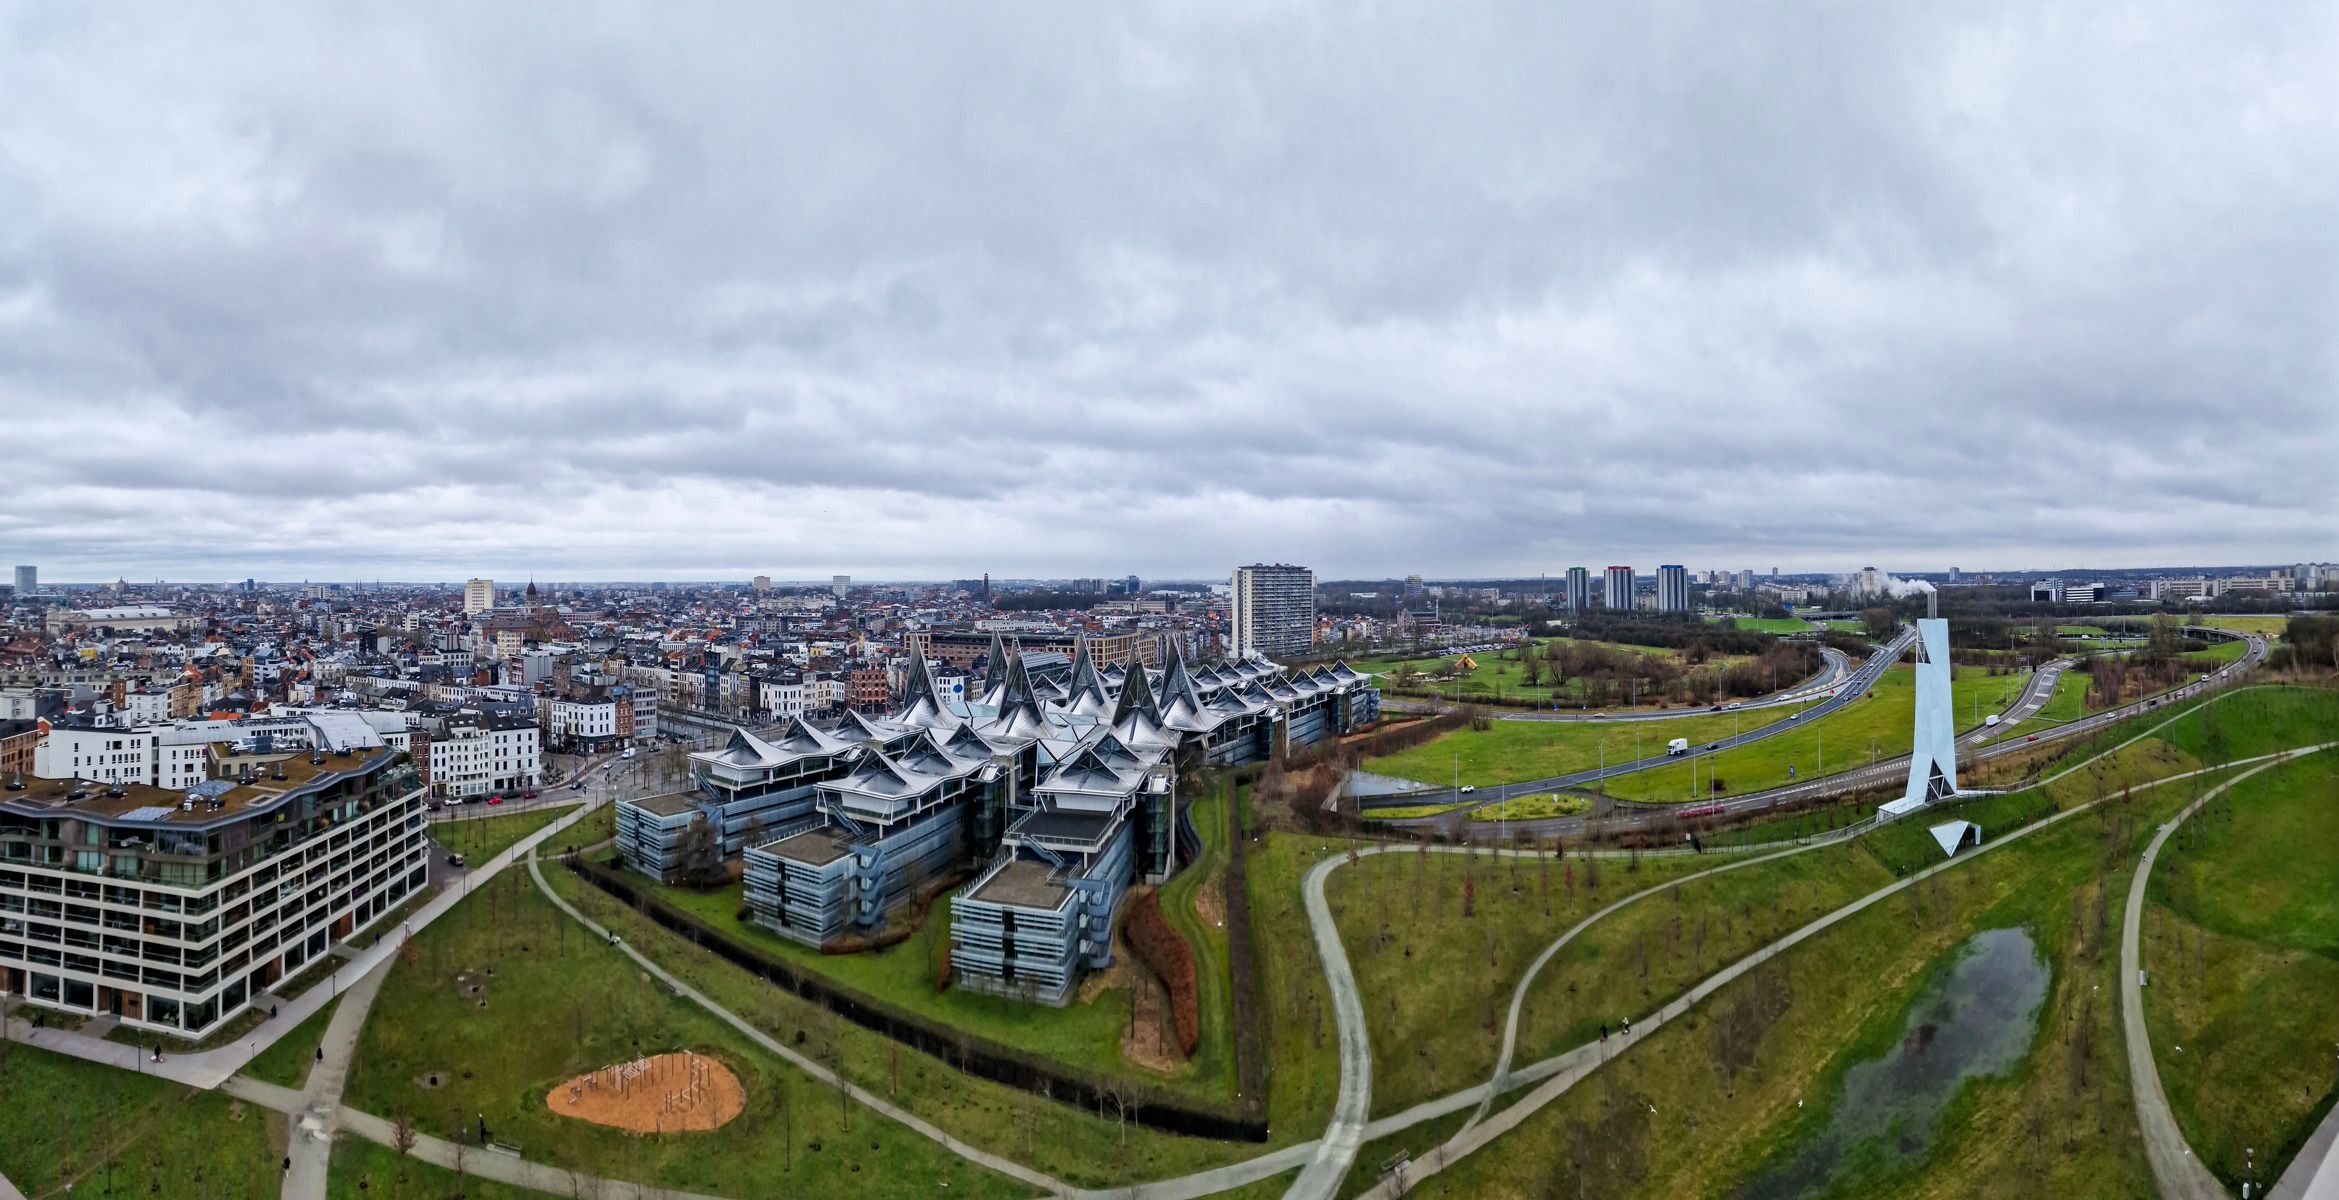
<point x="1974" y="744"/>
<point x="1820" y="700"/>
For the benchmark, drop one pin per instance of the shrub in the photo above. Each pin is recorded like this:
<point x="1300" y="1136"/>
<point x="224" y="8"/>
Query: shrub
<point x="1165" y="951"/>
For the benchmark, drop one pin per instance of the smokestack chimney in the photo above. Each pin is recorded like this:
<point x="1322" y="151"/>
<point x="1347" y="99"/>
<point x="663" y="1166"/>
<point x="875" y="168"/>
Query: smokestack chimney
<point x="1932" y="603"/>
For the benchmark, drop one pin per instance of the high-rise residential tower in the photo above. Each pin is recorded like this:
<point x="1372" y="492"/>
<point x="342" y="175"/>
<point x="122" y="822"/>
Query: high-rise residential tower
<point x="1579" y="589"/>
<point x="1274" y="610"/>
<point x="1619" y="589"/>
<point x="478" y="596"/>
<point x="1672" y="588"/>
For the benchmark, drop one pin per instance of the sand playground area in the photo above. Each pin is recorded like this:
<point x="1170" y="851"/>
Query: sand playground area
<point x="663" y="1093"/>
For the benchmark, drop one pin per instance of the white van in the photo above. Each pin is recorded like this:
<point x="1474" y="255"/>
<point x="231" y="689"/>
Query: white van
<point x="628" y="753"/>
<point x="1992" y="719"/>
<point x="1677" y="746"/>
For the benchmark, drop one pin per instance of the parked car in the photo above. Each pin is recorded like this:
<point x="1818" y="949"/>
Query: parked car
<point x="530" y="794"/>
<point x="455" y="860"/>
<point x="496" y="799"/>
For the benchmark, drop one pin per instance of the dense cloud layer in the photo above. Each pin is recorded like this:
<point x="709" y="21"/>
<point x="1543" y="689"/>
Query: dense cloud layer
<point x="932" y="290"/>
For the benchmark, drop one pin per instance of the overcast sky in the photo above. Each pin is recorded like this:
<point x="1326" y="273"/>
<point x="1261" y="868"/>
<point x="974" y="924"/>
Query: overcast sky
<point x="924" y="291"/>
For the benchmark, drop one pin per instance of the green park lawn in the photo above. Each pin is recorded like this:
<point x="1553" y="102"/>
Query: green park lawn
<point x="1512" y="751"/>
<point x="1775" y="624"/>
<point x="1664" y="1120"/>
<point x="2242" y="943"/>
<point x="1879" y="725"/>
<point x="1526" y="808"/>
<point x="363" y="1170"/>
<point x="480" y="838"/>
<point x="2264" y="626"/>
<point x="1085" y="1034"/>
<point x="1074" y="1144"/>
<point x="1194" y="902"/>
<point x="1436" y="980"/>
<point x="101" y="1131"/>
<point x="1501" y="678"/>
<point x="504" y="998"/>
<point x="287" y="1063"/>
<point x="1409" y="812"/>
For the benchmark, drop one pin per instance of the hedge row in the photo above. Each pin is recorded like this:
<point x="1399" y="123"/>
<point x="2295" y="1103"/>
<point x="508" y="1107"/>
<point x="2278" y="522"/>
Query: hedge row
<point x="1165" y="950"/>
<point x="967" y="1052"/>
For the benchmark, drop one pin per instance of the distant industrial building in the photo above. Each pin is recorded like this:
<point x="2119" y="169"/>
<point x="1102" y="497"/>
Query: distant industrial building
<point x="1618" y="593"/>
<point x="1274" y="611"/>
<point x="1673" y="588"/>
<point x="1579" y="589"/>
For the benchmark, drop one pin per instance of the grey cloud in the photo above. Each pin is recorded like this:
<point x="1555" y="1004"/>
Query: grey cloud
<point x="1161" y="288"/>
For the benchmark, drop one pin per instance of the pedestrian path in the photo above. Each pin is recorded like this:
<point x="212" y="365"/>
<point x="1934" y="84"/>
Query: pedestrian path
<point x="2314" y="1173"/>
<point x="2179" y="1172"/>
<point x="319" y="1119"/>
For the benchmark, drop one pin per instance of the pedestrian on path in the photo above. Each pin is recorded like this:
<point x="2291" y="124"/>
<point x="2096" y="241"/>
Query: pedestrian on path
<point x="271" y="1012"/>
<point x="1603" y="1033"/>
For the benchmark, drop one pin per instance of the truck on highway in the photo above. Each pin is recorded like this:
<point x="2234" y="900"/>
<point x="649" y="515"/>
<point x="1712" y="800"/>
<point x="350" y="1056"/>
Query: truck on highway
<point x="1677" y="746"/>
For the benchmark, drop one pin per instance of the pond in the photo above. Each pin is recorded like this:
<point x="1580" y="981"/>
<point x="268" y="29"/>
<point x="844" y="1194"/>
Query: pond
<point x="1976" y="1019"/>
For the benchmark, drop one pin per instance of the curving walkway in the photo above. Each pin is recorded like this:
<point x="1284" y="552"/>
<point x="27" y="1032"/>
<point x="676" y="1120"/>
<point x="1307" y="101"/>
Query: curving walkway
<point x="2175" y="1167"/>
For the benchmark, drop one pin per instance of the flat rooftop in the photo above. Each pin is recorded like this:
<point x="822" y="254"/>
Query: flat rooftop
<point x="1022" y="884"/>
<point x="672" y="805"/>
<point x="56" y="797"/>
<point x="813" y="847"/>
<point x="1064" y="825"/>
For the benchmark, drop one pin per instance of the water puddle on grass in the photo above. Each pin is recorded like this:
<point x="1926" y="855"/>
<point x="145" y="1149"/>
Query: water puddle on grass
<point x="1975" y="1020"/>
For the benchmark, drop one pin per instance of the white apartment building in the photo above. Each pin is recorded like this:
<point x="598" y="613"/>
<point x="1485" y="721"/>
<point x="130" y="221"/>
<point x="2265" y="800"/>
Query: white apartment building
<point x="1274" y="610"/>
<point x="573" y="722"/>
<point x="478" y="596"/>
<point x="477" y="754"/>
<point x="166" y="757"/>
<point x="175" y="909"/>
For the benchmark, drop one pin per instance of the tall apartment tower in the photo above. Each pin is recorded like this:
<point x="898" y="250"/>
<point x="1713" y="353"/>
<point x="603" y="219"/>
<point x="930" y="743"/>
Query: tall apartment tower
<point x="478" y="596"/>
<point x="840" y="585"/>
<point x="1274" y="610"/>
<point x="1579" y="589"/>
<point x="1672" y="588"/>
<point x="1618" y="592"/>
<point x="28" y="580"/>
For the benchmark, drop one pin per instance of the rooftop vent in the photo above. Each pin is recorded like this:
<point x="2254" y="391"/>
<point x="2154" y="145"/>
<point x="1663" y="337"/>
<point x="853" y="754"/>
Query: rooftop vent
<point x="278" y="773"/>
<point x="16" y="782"/>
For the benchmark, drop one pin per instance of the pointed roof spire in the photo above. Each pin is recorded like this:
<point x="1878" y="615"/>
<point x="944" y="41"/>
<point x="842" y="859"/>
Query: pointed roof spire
<point x="1136" y="695"/>
<point x="921" y="681"/>
<point x="1084" y="677"/>
<point x="1176" y="683"/>
<point x="995" y="663"/>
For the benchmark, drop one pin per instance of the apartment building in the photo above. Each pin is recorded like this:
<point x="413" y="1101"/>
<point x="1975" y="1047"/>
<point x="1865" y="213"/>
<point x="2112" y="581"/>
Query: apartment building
<point x="1618" y="588"/>
<point x="176" y="909"/>
<point x="477" y="753"/>
<point x="1274" y="611"/>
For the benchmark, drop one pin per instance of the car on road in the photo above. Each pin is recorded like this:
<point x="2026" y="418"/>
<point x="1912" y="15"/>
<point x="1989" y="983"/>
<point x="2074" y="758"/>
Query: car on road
<point x="1469" y="788"/>
<point x="496" y="799"/>
<point x="578" y="786"/>
<point x="1736" y="704"/>
<point x="628" y="753"/>
<point x="1716" y="708"/>
<point x="530" y="794"/>
<point x="455" y="860"/>
<point x="2032" y="738"/>
<point x="1678" y="746"/>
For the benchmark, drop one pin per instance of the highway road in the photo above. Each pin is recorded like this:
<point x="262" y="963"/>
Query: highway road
<point x="1882" y="774"/>
<point x="1827" y="700"/>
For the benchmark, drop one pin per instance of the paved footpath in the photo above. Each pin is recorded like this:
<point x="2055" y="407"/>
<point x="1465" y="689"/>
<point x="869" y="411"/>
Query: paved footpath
<point x="319" y="1119"/>
<point x="2175" y="1167"/>
<point x="2314" y="1173"/>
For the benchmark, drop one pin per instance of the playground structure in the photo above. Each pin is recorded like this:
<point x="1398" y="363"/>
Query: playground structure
<point x="680" y="1092"/>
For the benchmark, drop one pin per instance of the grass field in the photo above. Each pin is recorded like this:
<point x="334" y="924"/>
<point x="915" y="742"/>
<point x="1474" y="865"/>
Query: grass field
<point x="1436" y="982"/>
<point x="1524" y="808"/>
<point x="1193" y="901"/>
<point x="1664" y="1120"/>
<point x="363" y="1170"/>
<point x="2266" y="626"/>
<point x="105" y="1132"/>
<point x="1775" y="624"/>
<point x="1501" y="678"/>
<point x="1407" y="812"/>
<point x="1070" y="1143"/>
<point x="1877" y="725"/>
<point x="480" y="838"/>
<point x="1085" y="1033"/>
<point x="2242" y="943"/>
<point x="287" y="1063"/>
<point x="1511" y="751"/>
<point x="551" y="1002"/>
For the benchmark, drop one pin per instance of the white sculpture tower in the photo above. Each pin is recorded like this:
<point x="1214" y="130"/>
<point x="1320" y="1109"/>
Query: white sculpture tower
<point x="1933" y="756"/>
